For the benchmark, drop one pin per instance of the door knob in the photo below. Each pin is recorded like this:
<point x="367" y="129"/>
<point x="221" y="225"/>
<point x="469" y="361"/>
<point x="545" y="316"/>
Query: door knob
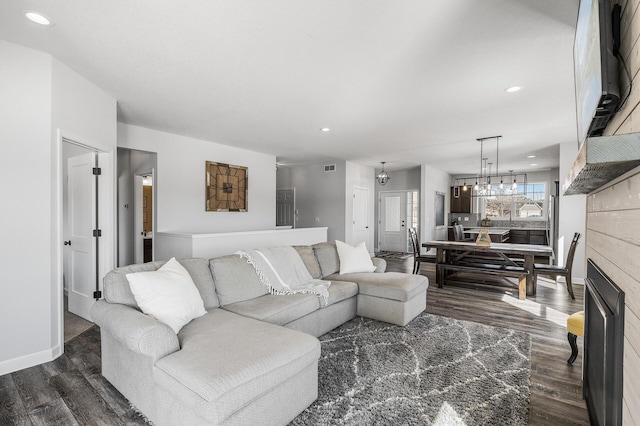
<point x="67" y="243"/>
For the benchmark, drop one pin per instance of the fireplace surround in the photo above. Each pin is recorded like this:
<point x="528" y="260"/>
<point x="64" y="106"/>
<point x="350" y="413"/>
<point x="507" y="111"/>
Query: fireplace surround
<point x="603" y="347"/>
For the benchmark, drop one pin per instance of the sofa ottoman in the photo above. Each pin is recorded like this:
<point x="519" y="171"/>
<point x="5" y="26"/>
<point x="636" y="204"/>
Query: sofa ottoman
<point x="391" y="297"/>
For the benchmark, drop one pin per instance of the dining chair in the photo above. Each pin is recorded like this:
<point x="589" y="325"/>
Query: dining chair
<point x="458" y="233"/>
<point x="559" y="271"/>
<point x="417" y="257"/>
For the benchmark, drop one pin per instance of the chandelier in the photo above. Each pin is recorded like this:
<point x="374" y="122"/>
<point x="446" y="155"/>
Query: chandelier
<point x="383" y="176"/>
<point x="488" y="184"/>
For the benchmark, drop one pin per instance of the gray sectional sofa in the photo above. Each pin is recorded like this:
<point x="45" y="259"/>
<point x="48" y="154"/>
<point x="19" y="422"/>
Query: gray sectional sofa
<point x="252" y="358"/>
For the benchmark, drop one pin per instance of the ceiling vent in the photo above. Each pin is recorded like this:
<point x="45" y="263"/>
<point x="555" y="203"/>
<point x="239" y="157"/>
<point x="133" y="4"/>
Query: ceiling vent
<point x="330" y="168"/>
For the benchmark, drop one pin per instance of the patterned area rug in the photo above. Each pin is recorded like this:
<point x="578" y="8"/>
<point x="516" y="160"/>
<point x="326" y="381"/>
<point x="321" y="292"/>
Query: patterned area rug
<point x="436" y="370"/>
<point x="393" y="255"/>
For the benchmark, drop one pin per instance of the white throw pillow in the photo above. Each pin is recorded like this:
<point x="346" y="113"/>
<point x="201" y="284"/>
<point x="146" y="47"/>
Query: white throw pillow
<point x="167" y="294"/>
<point x="354" y="259"/>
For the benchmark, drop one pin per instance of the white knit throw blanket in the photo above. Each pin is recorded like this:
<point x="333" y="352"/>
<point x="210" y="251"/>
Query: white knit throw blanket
<point x="282" y="270"/>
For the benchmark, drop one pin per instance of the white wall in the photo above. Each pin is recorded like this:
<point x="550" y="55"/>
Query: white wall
<point x="572" y="216"/>
<point x="180" y="182"/>
<point x="320" y="195"/>
<point x="360" y="177"/>
<point x="84" y="113"/>
<point x="39" y="95"/>
<point x="433" y="180"/>
<point x="25" y="171"/>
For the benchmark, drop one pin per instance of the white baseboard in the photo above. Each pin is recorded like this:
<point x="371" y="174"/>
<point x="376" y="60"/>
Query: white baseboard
<point x="26" y="361"/>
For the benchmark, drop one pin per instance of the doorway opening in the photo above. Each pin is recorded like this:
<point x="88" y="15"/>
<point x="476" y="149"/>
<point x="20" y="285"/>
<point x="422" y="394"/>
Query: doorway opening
<point x="143" y="218"/>
<point x="137" y="213"/>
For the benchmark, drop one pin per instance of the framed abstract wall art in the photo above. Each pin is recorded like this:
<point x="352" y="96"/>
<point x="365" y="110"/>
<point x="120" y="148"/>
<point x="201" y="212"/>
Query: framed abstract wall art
<point x="227" y="187"/>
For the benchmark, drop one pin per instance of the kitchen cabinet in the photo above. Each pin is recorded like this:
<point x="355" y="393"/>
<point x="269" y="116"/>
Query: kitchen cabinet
<point x="461" y="203"/>
<point x="519" y="236"/>
<point x="528" y="236"/>
<point x="538" y="236"/>
<point x="497" y="235"/>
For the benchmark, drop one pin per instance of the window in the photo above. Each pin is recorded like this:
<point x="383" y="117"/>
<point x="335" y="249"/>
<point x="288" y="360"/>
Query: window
<point x="412" y="215"/>
<point x="526" y="202"/>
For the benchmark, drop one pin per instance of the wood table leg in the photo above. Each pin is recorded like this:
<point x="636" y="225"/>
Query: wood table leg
<point x="440" y="260"/>
<point x="522" y="287"/>
<point x="528" y="265"/>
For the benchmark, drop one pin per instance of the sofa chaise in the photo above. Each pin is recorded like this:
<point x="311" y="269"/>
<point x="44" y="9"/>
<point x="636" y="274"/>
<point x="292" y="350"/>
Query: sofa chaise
<point x="253" y="357"/>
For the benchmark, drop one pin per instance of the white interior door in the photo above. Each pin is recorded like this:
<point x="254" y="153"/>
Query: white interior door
<point x="285" y="206"/>
<point x="361" y="216"/>
<point x="82" y="250"/>
<point x="393" y="215"/>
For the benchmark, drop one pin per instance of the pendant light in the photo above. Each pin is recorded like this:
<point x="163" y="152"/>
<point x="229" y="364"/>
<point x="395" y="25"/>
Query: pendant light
<point x="382" y="177"/>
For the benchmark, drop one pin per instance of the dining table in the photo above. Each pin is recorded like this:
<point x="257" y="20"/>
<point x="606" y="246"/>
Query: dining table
<point x="492" y="259"/>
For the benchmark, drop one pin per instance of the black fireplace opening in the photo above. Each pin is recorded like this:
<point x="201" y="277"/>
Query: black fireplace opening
<point x="603" y="347"/>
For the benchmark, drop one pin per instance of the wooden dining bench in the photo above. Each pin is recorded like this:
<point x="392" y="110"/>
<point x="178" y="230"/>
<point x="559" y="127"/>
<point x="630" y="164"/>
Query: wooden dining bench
<point x="493" y="269"/>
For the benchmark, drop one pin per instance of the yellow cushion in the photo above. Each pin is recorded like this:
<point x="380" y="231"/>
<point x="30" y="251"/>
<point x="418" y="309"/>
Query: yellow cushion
<point x="575" y="323"/>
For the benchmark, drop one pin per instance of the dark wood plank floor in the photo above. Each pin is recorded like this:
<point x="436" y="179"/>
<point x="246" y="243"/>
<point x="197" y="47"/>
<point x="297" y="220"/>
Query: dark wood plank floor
<point x="556" y="387"/>
<point x="71" y="391"/>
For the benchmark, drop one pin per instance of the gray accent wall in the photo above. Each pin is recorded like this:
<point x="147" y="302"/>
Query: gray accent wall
<point x="320" y="197"/>
<point x="401" y="180"/>
<point x="434" y="180"/>
<point x="283" y="177"/>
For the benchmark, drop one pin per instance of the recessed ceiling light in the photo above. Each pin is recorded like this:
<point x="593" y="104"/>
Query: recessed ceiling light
<point x="325" y="129"/>
<point x="531" y="156"/>
<point x="38" y="18"/>
<point x="533" y="164"/>
<point x="513" y="89"/>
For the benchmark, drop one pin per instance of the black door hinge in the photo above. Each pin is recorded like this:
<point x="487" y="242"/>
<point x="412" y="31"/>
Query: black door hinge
<point x="97" y="295"/>
<point x="97" y="171"/>
<point x="97" y="232"/>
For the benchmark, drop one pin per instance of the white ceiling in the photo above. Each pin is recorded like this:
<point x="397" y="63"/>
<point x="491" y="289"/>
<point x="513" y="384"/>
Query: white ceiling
<point x="406" y="81"/>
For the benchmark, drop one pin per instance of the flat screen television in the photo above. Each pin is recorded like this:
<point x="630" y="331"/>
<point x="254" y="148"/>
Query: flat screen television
<point x="596" y="66"/>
